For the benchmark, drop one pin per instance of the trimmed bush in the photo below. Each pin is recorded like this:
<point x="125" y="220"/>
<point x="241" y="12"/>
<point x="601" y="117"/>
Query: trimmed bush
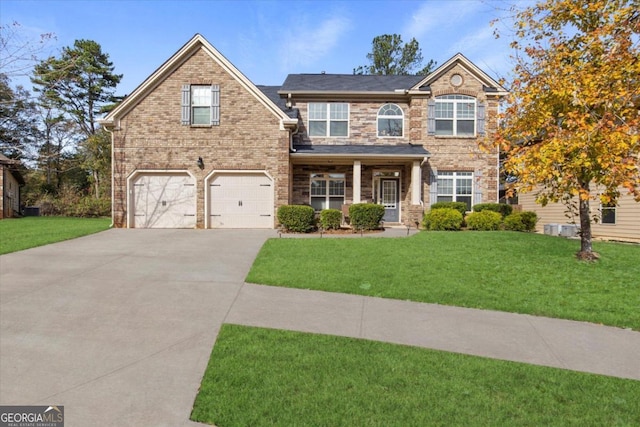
<point x="330" y="219"/>
<point x="521" y="221"/>
<point x="502" y="208"/>
<point x="442" y="219"/>
<point x="297" y="218"/>
<point x="459" y="206"/>
<point x="485" y="220"/>
<point x="366" y="216"/>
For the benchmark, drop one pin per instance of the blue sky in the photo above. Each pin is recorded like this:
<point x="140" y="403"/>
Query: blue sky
<point x="266" y="40"/>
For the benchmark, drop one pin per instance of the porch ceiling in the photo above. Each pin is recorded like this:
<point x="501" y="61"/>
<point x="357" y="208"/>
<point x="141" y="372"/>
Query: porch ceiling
<point x="346" y="154"/>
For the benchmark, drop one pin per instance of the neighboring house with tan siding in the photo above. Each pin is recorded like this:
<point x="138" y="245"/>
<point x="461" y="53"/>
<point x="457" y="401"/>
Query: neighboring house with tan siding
<point x="621" y="222"/>
<point x="199" y="145"/>
<point x="10" y="182"/>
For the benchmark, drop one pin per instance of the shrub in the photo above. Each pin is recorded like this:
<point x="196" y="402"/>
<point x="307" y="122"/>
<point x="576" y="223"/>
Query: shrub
<point x="297" y="218"/>
<point x="486" y="220"/>
<point x="459" y="206"/>
<point x="90" y="207"/>
<point x="330" y="219"/>
<point x="442" y="219"/>
<point x="521" y="221"/>
<point x="366" y="216"/>
<point x="502" y="208"/>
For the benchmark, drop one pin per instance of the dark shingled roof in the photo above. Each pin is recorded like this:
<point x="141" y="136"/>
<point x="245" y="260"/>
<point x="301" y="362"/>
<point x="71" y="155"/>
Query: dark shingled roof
<point x="348" y="82"/>
<point x="407" y="150"/>
<point x="272" y="94"/>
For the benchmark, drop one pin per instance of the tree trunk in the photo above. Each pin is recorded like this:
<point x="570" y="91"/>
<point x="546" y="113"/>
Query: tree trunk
<point x="586" y="249"/>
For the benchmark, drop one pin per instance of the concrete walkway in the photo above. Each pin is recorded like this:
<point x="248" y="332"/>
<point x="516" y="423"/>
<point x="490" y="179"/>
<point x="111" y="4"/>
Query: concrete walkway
<point x="118" y="327"/>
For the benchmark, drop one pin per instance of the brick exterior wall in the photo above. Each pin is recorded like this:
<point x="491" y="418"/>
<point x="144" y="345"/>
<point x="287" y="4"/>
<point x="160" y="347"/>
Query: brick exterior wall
<point x="151" y="136"/>
<point x="447" y="153"/>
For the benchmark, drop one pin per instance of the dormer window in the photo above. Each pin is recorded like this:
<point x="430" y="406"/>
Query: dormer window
<point x="390" y="121"/>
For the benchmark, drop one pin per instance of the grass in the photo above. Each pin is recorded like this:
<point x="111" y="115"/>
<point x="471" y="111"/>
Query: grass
<point x="29" y="232"/>
<point x="280" y="378"/>
<point x="505" y="271"/>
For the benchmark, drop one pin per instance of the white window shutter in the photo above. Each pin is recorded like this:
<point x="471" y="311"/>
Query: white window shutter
<point x="215" y="105"/>
<point x="433" y="186"/>
<point x="480" y="123"/>
<point x="186" y="104"/>
<point x="431" y="117"/>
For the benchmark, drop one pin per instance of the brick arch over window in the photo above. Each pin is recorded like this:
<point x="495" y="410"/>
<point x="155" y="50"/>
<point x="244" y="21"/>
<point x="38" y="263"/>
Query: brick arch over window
<point x="461" y="91"/>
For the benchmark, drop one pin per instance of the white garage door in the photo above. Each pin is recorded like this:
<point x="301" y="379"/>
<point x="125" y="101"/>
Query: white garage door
<point x="164" y="201"/>
<point x="241" y="201"/>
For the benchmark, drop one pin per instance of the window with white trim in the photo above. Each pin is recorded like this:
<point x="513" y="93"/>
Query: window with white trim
<point x="455" y="187"/>
<point x="327" y="191"/>
<point x="608" y="213"/>
<point x="328" y="119"/>
<point x="390" y="120"/>
<point x="455" y="115"/>
<point x="200" y="105"/>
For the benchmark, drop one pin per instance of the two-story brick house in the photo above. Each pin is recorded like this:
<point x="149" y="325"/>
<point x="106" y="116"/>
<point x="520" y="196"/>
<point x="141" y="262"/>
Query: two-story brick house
<point x="199" y="145"/>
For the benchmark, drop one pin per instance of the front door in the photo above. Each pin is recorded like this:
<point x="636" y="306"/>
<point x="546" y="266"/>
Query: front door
<point x="390" y="199"/>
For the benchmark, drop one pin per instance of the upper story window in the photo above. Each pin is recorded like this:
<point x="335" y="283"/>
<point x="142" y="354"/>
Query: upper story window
<point x="201" y="105"/>
<point x="390" y="120"/>
<point x="455" y="115"/>
<point x="328" y="119"/>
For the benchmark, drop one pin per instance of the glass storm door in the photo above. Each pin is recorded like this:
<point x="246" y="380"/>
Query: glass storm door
<point x="390" y="200"/>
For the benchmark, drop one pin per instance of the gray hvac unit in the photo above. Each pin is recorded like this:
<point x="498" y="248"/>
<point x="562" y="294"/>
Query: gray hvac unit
<point x="551" y="229"/>
<point x="569" y="230"/>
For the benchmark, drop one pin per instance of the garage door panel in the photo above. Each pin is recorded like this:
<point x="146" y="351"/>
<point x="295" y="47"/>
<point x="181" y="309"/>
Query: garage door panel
<point x="241" y="201"/>
<point x="164" y="201"/>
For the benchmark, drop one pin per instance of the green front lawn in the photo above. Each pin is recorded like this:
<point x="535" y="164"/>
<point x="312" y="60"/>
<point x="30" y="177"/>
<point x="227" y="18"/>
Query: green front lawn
<point x="506" y="271"/>
<point x="262" y="377"/>
<point x="29" y="232"/>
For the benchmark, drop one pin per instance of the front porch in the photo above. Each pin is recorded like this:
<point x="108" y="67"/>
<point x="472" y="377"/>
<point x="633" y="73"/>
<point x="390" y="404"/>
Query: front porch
<point x="331" y="176"/>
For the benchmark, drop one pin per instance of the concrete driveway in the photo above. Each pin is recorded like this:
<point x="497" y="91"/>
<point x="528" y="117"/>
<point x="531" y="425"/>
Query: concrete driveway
<point x="118" y="326"/>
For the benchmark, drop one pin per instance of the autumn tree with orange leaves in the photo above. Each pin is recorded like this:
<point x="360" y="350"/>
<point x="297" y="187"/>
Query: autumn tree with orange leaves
<point x="570" y="131"/>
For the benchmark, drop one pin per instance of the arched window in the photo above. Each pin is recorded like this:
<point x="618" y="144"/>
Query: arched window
<point x="390" y="120"/>
<point x="455" y="115"/>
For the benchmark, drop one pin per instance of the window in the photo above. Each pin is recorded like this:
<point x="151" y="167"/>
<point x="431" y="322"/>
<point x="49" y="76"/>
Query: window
<point x="327" y="190"/>
<point x="201" y="105"/>
<point x="390" y="120"/>
<point x="455" y="115"/>
<point x="608" y="213"/>
<point x="328" y="119"/>
<point x="455" y="187"/>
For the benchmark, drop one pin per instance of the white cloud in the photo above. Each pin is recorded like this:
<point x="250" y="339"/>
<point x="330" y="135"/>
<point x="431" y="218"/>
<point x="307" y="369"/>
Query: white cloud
<point x="432" y="16"/>
<point x="474" y="41"/>
<point x="305" y="45"/>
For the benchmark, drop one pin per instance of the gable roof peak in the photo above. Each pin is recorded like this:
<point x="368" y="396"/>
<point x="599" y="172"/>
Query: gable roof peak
<point x="460" y="59"/>
<point x="175" y="61"/>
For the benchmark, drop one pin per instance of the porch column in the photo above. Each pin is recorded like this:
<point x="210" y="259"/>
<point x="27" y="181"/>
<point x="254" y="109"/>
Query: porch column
<point x="357" y="178"/>
<point x="416" y="183"/>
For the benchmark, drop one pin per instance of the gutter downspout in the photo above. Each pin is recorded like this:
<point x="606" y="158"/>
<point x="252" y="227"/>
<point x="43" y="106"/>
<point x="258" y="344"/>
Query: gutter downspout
<point x="291" y="134"/>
